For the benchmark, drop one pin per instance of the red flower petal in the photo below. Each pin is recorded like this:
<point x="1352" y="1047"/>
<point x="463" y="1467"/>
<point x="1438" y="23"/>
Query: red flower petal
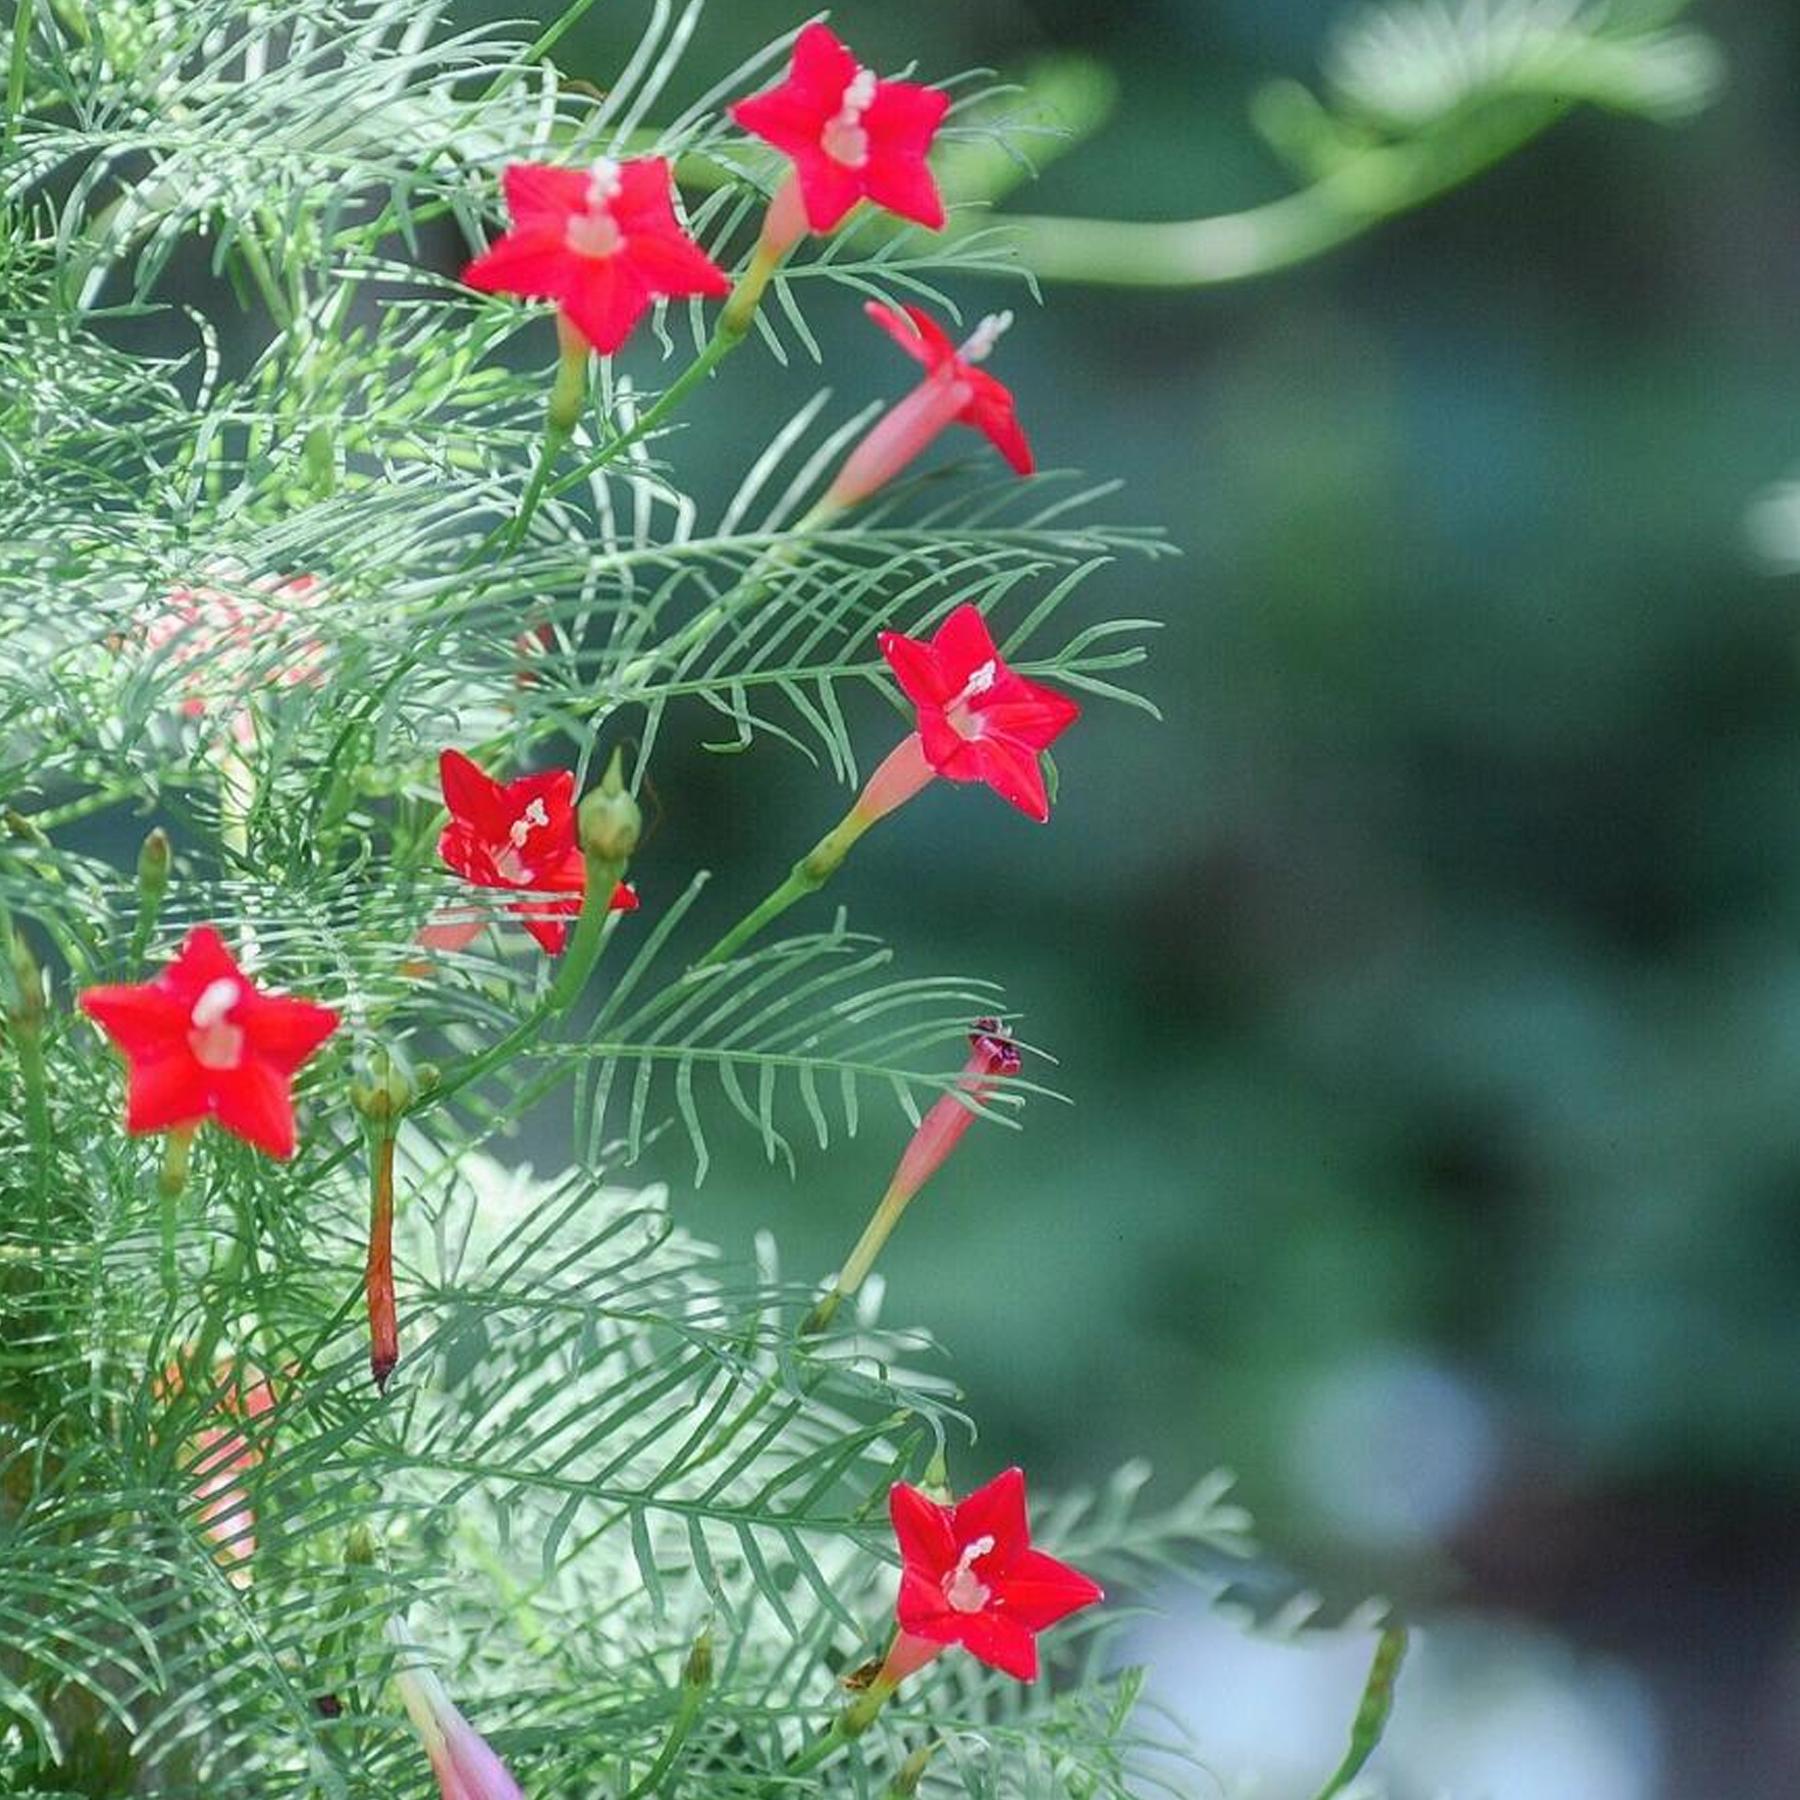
<point x="534" y="263"/>
<point x="828" y="188"/>
<point x="675" y="265"/>
<point x="604" y="299"/>
<point x="822" y="67"/>
<point x="783" y="117"/>
<point x="997" y="1511"/>
<point x="1038" y="1590"/>
<point x="201" y="960"/>
<point x="552" y="934"/>
<point x="916" y="668"/>
<point x="903" y="118"/>
<point x="469" y="792"/>
<point x="140" y="1020"/>
<point x="907" y="189"/>
<point x="165" y="1090"/>
<point x="992" y="412"/>
<point x="1001" y="1643"/>
<point x="452" y="933"/>
<point x="916" y="332"/>
<point x="1014" y="772"/>
<point x="963" y="644"/>
<point x="923" y="1530"/>
<point x="253" y="1102"/>
<point x="542" y="195"/>
<point x="281" y="1032"/>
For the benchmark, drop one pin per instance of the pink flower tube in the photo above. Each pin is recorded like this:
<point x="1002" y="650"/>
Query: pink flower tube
<point x="466" y="1769"/>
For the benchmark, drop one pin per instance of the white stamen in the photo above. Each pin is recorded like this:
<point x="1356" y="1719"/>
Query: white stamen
<point x="596" y="232"/>
<point x="215" y="1043"/>
<point x="985" y="336"/>
<point x="844" y="140"/>
<point x="534" y="817"/>
<point x="604" y="184"/>
<point x="964" y="1592"/>
<point x="978" y="683"/>
<point x="215" y="1003"/>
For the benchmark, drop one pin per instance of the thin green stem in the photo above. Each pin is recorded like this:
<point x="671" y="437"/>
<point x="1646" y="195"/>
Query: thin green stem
<point x="806" y="877"/>
<point x="37" y="1123"/>
<point x="687" y="1711"/>
<point x="578" y="960"/>
<point x="589" y="935"/>
<point x="18" y="66"/>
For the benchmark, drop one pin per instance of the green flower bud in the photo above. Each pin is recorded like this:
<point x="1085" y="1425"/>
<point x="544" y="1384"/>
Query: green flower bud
<point x="609" y="821"/>
<point x="912" y="1772"/>
<point x="154" y="859"/>
<point x="697" y="1674"/>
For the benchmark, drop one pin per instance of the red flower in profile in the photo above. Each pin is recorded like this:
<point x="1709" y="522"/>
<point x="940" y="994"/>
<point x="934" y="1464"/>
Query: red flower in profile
<point x="969" y="1576"/>
<point x="602" y="243"/>
<point x="954" y="392"/>
<point x="850" y="135"/>
<point x="978" y="720"/>
<point x="520" y="835"/>
<point x="203" y="1042"/>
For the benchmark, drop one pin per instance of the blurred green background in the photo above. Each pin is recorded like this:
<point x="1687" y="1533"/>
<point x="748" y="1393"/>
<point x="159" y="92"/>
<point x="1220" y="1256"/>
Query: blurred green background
<point x="1428" y="984"/>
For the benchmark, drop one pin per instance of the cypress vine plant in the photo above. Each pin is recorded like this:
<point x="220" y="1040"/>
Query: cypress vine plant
<point x="329" y="1443"/>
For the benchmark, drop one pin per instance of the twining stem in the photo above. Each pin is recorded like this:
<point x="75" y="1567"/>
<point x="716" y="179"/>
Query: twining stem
<point x="806" y="877"/>
<point x="378" y="1271"/>
<point x="1361" y="192"/>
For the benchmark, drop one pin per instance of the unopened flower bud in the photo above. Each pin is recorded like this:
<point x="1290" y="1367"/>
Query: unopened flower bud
<point x="154" y="859"/>
<point x="389" y="1091"/>
<point x="911" y="1772"/>
<point x="697" y="1673"/>
<point x="609" y="820"/>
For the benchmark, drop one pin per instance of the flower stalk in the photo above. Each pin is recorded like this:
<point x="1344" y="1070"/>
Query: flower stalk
<point x="901" y="775"/>
<point x="993" y="1058"/>
<point x="155" y="858"/>
<point x="608" y="824"/>
<point x="25" y="1020"/>
<point x="696" y="1680"/>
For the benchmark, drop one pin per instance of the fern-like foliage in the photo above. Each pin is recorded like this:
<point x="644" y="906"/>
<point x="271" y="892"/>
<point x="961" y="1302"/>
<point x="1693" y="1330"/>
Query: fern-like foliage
<point x="257" y="567"/>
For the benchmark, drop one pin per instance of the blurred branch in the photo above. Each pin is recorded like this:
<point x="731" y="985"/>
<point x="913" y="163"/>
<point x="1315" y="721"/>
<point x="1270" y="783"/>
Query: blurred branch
<point x="1378" y="184"/>
<point x="1425" y="99"/>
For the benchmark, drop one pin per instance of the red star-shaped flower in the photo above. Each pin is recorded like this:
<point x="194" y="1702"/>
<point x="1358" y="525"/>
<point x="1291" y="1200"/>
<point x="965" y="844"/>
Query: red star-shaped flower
<point x="978" y="720"/>
<point x="203" y="1042"/>
<point x="969" y="1576"/>
<point x="520" y="835"/>
<point x="603" y="243"/>
<point x="850" y="136"/>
